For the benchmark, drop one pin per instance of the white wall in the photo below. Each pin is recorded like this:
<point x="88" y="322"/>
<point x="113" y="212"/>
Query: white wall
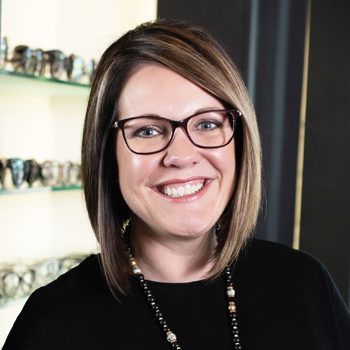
<point x="39" y="124"/>
<point x="83" y="27"/>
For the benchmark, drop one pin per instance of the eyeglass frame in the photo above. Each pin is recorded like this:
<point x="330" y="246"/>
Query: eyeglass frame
<point x="234" y="112"/>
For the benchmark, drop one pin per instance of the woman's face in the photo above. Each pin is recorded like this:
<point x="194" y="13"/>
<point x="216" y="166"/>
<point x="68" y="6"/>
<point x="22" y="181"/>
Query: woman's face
<point x="144" y="179"/>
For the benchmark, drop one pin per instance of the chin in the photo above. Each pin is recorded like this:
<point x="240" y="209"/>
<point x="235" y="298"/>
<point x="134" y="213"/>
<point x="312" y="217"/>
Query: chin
<point x="189" y="231"/>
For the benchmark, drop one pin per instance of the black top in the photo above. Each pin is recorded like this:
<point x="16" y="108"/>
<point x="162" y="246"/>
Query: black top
<point x="285" y="300"/>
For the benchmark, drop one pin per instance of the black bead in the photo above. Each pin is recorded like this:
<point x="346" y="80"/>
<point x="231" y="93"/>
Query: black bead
<point x="141" y="278"/>
<point x="162" y="322"/>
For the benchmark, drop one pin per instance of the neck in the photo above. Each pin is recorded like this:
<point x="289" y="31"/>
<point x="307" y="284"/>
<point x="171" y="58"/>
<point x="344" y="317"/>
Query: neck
<point x="172" y="259"/>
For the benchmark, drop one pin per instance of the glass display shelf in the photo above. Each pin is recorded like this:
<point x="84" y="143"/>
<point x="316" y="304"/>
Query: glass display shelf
<point x="15" y="82"/>
<point x="40" y="189"/>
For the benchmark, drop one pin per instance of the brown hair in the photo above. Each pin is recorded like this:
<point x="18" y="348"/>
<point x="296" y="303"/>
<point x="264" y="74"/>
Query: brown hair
<point x="193" y="53"/>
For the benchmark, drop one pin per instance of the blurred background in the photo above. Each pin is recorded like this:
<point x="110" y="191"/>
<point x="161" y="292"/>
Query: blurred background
<point x="294" y="57"/>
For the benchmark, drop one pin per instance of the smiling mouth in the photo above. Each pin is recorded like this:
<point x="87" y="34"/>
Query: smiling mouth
<point x="182" y="190"/>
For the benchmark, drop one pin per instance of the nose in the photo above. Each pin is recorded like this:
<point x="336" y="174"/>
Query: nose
<point x="181" y="152"/>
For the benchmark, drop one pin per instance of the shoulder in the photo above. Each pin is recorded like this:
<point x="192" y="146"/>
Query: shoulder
<point x="274" y="264"/>
<point x="73" y="289"/>
<point x="75" y="282"/>
<point x="279" y="267"/>
<point x="81" y="282"/>
<point x="67" y="303"/>
<point x="268" y="254"/>
<point x="297" y="288"/>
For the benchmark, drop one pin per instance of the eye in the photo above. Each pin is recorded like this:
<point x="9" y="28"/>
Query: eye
<point x="147" y="132"/>
<point x="207" y="125"/>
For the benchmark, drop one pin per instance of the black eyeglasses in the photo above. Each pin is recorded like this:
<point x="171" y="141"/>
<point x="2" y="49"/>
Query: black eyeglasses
<point x="151" y="134"/>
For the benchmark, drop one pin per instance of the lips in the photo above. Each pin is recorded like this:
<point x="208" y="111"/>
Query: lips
<point x="181" y="188"/>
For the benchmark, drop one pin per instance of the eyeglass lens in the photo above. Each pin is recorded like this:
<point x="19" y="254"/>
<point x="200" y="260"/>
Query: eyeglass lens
<point x="151" y="134"/>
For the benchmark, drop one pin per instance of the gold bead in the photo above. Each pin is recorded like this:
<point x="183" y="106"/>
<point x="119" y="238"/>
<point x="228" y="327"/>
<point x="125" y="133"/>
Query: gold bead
<point x="232" y="306"/>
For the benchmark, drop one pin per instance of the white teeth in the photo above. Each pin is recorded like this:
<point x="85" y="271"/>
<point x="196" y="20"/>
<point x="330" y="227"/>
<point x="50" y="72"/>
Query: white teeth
<point x="180" y="191"/>
<point x="188" y="189"/>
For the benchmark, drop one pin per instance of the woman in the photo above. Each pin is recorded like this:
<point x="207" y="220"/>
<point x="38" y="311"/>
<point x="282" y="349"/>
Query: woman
<point x="171" y="170"/>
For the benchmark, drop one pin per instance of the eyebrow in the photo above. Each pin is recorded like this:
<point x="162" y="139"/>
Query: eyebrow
<point x="200" y="110"/>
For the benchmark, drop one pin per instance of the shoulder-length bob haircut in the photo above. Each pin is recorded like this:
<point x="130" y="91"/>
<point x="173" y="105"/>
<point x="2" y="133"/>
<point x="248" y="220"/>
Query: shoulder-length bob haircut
<point x="194" y="54"/>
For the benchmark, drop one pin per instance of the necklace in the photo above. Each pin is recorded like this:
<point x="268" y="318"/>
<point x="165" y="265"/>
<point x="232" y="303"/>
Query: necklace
<point x="169" y="334"/>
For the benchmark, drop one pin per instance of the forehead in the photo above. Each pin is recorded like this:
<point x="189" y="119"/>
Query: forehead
<point x="155" y="89"/>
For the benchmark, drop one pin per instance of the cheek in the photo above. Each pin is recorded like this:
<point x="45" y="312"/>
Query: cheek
<point x="128" y="166"/>
<point x="134" y="169"/>
<point x="223" y="159"/>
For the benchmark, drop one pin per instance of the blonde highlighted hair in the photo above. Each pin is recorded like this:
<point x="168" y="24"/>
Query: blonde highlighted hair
<point x="193" y="53"/>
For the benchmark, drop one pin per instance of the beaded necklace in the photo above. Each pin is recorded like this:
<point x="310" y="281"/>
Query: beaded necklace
<point x="169" y="334"/>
